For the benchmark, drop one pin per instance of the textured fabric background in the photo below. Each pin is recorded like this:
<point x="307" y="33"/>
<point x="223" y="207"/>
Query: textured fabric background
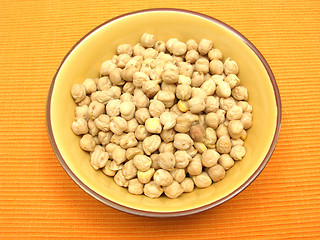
<point x="39" y="200"/>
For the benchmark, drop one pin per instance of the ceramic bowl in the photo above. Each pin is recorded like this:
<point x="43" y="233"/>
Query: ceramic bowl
<point x="84" y="60"/>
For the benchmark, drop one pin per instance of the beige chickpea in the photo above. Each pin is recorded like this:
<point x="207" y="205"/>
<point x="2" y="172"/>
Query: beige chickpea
<point x="185" y="69"/>
<point x="132" y="152"/>
<point x="240" y="93"/>
<point x="145" y="176"/>
<point x="226" y="161"/>
<point x="89" y="85"/>
<point x="104" y="84"/>
<point x="151" y="88"/>
<point x="183" y="106"/>
<point x="223" y="89"/>
<point x="246" y="107"/>
<point x="125" y="49"/>
<point x="183" y="92"/>
<point x="223" y="144"/>
<point x="150" y="53"/>
<point x="222" y="115"/>
<point x="136" y="61"/>
<point x="235" y="142"/>
<point x="128" y="87"/>
<point x="107" y="171"/>
<point x="197" y="79"/>
<point x="210" y="138"/>
<point x="82" y="112"/>
<point x="227" y="103"/>
<point x="170" y="76"/>
<point x="198" y="92"/>
<point x="183" y="124"/>
<point x="138" y="49"/>
<point x="160" y="46"/>
<point x="169" y="87"/>
<point x="197" y="132"/>
<point x="98" y="158"/>
<point x="162" y="177"/>
<point x="178" y="48"/>
<point x="142" y="162"/>
<point x="202" y="180"/>
<point x="192" y="56"/>
<point x="109" y="149"/>
<point x="192" y="151"/>
<point x="246" y="120"/>
<point x="86" y="101"/>
<point x="153" y="125"/>
<point x="107" y="67"/>
<point x="151" y="144"/>
<point x="166" y="160"/>
<point x="79" y="126"/>
<point x="212" y="120"/>
<point x="142" y="114"/>
<point x="182" y="141"/>
<point x="140" y="99"/>
<point x="128" y="141"/>
<point x="141" y="132"/>
<point x="115" y="76"/>
<point x="187" y="185"/>
<point x="126" y="97"/>
<point x="216" y="173"/>
<point x="103" y="122"/>
<point x="132" y="125"/>
<point x="195" y="166"/>
<point x="197" y="104"/>
<point x="200" y="146"/>
<point x="114" y="166"/>
<point x="154" y="158"/>
<point x="127" y="74"/>
<point x="120" y="180"/>
<point x="118" y="125"/>
<point x="168" y="120"/>
<point x="135" y="186"/>
<point x="182" y="159"/>
<point x="234" y="113"/>
<point x="166" y="97"/>
<point x="202" y="66"/>
<point x="215" y="54"/>
<point x="184" y="80"/>
<point x="235" y="128"/>
<point x="104" y="137"/>
<point x="127" y="110"/>
<point x="123" y="59"/>
<point x="233" y="80"/>
<point x="210" y="158"/>
<point x="212" y="104"/>
<point x="155" y="73"/>
<point x="95" y="109"/>
<point x="216" y="67"/>
<point x="156" y="108"/>
<point x="170" y="42"/>
<point x="139" y="78"/>
<point x="230" y="67"/>
<point x="205" y="46"/>
<point x="178" y="174"/>
<point x="217" y="78"/>
<point x="192" y="44"/>
<point x="87" y="143"/>
<point x="129" y="170"/>
<point x="175" y="109"/>
<point x="167" y="135"/>
<point x="174" y="190"/>
<point x="238" y="152"/>
<point x="209" y="87"/>
<point x="152" y="190"/>
<point x="147" y="40"/>
<point x="119" y="155"/>
<point x="102" y="96"/>
<point x="166" y="147"/>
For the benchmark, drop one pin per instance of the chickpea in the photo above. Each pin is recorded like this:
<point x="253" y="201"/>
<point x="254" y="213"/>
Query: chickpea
<point x="87" y="143"/>
<point x="156" y="108"/>
<point x="135" y="187"/>
<point x="210" y="158"/>
<point x="85" y="102"/>
<point x="233" y="80"/>
<point x="147" y="40"/>
<point x="153" y="125"/>
<point x="175" y="109"/>
<point x="209" y="87"/>
<point x="212" y="104"/>
<point x="178" y="174"/>
<point x="183" y="106"/>
<point x="138" y="50"/>
<point x="127" y="73"/>
<point x="123" y="59"/>
<point x="226" y="161"/>
<point x="246" y="120"/>
<point x="152" y="190"/>
<point x="107" y="171"/>
<point x="215" y="54"/>
<point x="184" y="80"/>
<point x="198" y="92"/>
<point x="169" y="44"/>
<point x="142" y="162"/>
<point x="166" y="97"/>
<point x="174" y="190"/>
<point x="151" y="144"/>
<point x="95" y="109"/>
<point x="162" y="177"/>
<point x="212" y="120"/>
<point x="221" y="113"/>
<point x="145" y="176"/>
<point x="210" y="137"/>
<point x="141" y="132"/>
<point x="109" y="149"/>
<point x="160" y="46"/>
<point x="126" y="97"/>
<point x="178" y="48"/>
<point x="185" y="69"/>
<point x="107" y="67"/>
<point x="223" y="144"/>
<point x="127" y="110"/>
<point x="79" y="126"/>
<point x="104" y="137"/>
<point x="201" y="147"/>
<point x="132" y="125"/>
<point x="132" y="152"/>
<point x="192" y="117"/>
<point x="167" y="135"/>
<point x="118" y="125"/>
<point x="216" y="173"/>
<point x="195" y="166"/>
<point x="99" y="158"/>
<point x="183" y="92"/>
<point x="139" y="78"/>
<point x="150" y="53"/>
<point x="182" y="159"/>
<point x="82" y="112"/>
<point x="129" y="170"/>
<point x="104" y="84"/>
<point x="197" y="104"/>
<point x="125" y="49"/>
<point x="115" y="76"/>
<point x="182" y="141"/>
<point x="205" y="46"/>
<point x="202" y="65"/>
<point x="113" y="108"/>
<point x="140" y="99"/>
<point x="230" y="67"/>
<point x="235" y="128"/>
<point x="114" y="166"/>
<point x="183" y="124"/>
<point x="166" y="160"/>
<point x="197" y="79"/>
<point x="192" y="44"/>
<point x="142" y="114"/>
<point x="197" y="133"/>
<point x="89" y="85"/>
<point x="192" y="56"/>
<point x="170" y="76"/>
<point x="154" y="158"/>
<point x="120" y="180"/>
<point x="168" y="87"/>
<point x="227" y="103"/>
<point x="166" y="147"/>
<point x="151" y="88"/>
<point x="237" y="152"/>
<point x="187" y="185"/>
<point x="192" y="151"/>
<point x="102" y="96"/>
<point x="236" y="142"/>
<point x="223" y="89"/>
<point x="234" y="113"/>
<point x="119" y="155"/>
<point x="240" y="93"/>
<point x="202" y="180"/>
<point x="168" y="120"/>
<point x="216" y="66"/>
<point x="128" y="141"/>
<point x="128" y="87"/>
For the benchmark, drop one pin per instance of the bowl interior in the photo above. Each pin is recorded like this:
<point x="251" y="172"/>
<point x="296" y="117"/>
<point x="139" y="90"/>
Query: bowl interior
<point x="84" y="62"/>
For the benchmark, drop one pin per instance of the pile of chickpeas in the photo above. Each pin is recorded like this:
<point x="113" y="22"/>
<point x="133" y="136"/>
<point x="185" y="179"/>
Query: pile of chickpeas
<point x="164" y="117"/>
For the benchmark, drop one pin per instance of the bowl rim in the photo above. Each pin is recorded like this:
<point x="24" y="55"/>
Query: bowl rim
<point x="170" y="213"/>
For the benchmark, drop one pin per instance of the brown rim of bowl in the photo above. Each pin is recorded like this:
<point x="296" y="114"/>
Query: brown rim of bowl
<point x="184" y="212"/>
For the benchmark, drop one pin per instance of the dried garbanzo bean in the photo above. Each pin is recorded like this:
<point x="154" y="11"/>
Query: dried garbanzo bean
<point x="168" y="120"/>
<point x="132" y="125"/>
<point x="118" y="125"/>
<point x="230" y="67"/>
<point x="197" y="104"/>
<point x="128" y="141"/>
<point x="216" y="173"/>
<point x="142" y="162"/>
<point x="174" y="190"/>
<point x="205" y="46"/>
<point x="103" y="122"/>
<point x="129" y="170"/>
<point x="152" y="190"/>
<point x="127" y="110"/>
<point x="183" y="92"/>
<point x="240" y="93"/>
<point x="120" y="179"/>
<point x="166" y="160"/>
<point x="167" y="135"/>
<point x="95" y="109"/>
<point x="215" y="54"/>
<point x="187" y="185"/>
<point x="147" y="40"/>
<point x="162" y="177"/>
<point x="135" y="187"/>
<point x="237" y="152"/>
<point x="132" y="152"/>
<point x="192" y="56"/>
<point x="141" y="132"/>
<point x="153" y="125"/>
<point x="93" y="130"/>
<point x="246" y="119"/>
<point x="79" y="126"/>
<point x="142" y="114"/>
<point x="223" y="144"/>
<point x="151" y="144"/>
<point x="195" y="166"/>
<point x="216" y="66"/>
<point x="104" y="137"/>
<point x="156" y="108"/>
<point x="145" y="176"/>
<point x="210" y="158"/>
<point x="87" y="143"/>
<point x="226" y="161"/>
<point x="202" y="180"/>
<point x="99" y="158"/>
<point x="78" y="92"/>
<point x="197" y="132"/>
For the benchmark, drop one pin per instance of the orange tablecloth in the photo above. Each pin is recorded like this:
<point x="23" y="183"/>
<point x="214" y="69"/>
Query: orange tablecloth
<point x="37" y="197"/>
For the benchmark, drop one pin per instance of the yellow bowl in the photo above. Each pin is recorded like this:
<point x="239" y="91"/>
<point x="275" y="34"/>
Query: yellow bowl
<point x="84" y="60"/>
